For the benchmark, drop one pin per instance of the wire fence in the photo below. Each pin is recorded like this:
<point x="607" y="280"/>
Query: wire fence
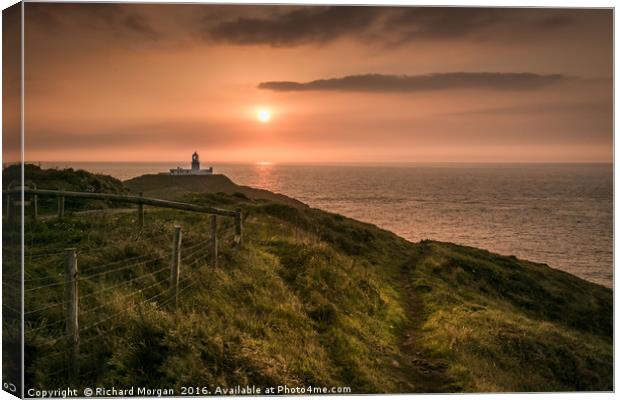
<point x="114" y="280"/>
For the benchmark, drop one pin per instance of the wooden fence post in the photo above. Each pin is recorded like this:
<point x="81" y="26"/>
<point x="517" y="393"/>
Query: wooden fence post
<point x="140" y="213"/>
<point x="35" y="207"/>
<point x="238" y="227"/>
<point x="71" y="297"/>
<point x="61" y="207"/>
<point x="214" y="238"/>
<point x="34" y="204"/>
<point x="175" y="265"/>
<point x="9" y="208"/>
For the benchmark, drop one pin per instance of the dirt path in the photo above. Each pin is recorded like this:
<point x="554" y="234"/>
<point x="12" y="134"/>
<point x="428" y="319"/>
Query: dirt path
<point x="421" y="373"/>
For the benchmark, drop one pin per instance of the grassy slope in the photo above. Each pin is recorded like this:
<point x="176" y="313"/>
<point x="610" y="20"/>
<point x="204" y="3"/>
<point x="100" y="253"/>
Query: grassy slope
<point x="503" y="324"/>
<point x="175" y="188"/>
<point x="316" y="298"/>
<point x="65" y="179"/>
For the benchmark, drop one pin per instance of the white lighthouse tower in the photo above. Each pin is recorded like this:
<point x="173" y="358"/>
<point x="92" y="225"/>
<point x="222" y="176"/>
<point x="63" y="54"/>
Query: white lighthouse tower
<point x="195" y="162"/>
<point x="195" y="170"/>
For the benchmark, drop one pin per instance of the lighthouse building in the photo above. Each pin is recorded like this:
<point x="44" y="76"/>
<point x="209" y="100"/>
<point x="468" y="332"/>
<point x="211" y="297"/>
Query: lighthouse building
<point x="195" y="170"/>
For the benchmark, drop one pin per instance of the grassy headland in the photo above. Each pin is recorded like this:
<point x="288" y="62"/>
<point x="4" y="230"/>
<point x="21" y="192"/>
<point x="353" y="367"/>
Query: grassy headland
<point x="64" y="179"/>
<point x="314" y="298"/>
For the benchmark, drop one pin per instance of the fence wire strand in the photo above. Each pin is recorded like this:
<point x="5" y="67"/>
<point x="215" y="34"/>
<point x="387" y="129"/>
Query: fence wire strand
<point x="107" y="289"/>
<point x="195" y="251"/>
<point x="121" y="268"/>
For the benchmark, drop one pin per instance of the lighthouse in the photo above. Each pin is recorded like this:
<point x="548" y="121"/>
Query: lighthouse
<point x="195" y="162"/>
<point x="195" y="170"/>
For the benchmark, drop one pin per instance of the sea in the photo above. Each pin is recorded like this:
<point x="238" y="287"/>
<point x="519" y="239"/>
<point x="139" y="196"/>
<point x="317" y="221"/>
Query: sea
<point x="558" y="214"/>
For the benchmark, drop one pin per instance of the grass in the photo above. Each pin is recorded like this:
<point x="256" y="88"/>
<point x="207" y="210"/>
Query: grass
<point x="64" y="179"/>
<point x="313" y="298"/>
<point x="290" y="311"/>
<point x="503" y="324"/>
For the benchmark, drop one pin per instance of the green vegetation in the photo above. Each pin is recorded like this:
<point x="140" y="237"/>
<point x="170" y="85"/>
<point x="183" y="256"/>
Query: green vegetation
<point x="176" y="187"/>
<point x="312" y="298"/>
<point x="503" y="324"/>
<point x="64" y="179"/>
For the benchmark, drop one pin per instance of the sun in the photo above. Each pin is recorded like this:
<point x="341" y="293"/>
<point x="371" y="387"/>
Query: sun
<point x="263" y="115"/>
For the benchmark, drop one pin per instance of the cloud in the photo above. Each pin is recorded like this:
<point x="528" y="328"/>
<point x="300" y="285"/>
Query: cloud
<point x="422" y="83"/>
<point x="299" y="26"/>
<point x="114" y="19"/>
<point x="389" y="25"/>
<point x="479" y="23"/>
<point x="438" y="23"/>
<point x="287" y="26"/>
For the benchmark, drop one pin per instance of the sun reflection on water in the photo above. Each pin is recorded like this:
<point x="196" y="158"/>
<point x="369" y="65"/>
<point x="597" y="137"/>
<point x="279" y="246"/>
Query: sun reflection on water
<point x="264" y="174"/>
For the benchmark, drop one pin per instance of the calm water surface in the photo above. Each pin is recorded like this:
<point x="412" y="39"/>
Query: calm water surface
<point x="561" y="215"/>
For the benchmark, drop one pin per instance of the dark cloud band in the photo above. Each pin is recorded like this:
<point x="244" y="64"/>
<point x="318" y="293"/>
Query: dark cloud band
<point x="422" y="83"/>
<point x="298" y="26"/>
<point x="389" y="25"/>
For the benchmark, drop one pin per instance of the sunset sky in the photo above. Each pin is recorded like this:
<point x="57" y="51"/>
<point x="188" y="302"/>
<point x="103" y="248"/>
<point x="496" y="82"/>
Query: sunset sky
<point x="112" y="82"/>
